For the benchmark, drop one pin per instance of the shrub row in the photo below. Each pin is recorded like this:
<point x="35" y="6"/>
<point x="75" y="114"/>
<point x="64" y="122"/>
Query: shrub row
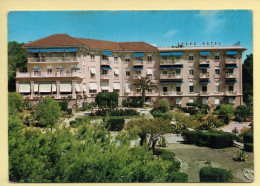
<point x="248" y="138"/>
<point x="178" y="177"/>
<point x="117" y="112"/>
<point x="209" y="174"/>
<point x="116" y="123"/>
<point x="213" y="139"/>
<point x="191" y="110"/>
<point x="248" y="147"/>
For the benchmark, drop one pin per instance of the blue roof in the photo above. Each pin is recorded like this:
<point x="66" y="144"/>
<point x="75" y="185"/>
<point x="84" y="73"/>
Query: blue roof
<point x="33" y="50"/>
<point x="138" y="67"/>
<point x="46" y="50"/>
<point x="231" y="52"/>
<point x="165" y="53"/>
<point x="205" y="82"/>
<point x="106" y="67"/>
<point x="171" y="82"/>
<point x="61" y="68"/>
<point x="71" y="49"/>
<point x="139" y="54"/>
<point x="231" y="66"/>
<point x="204" y="66"/>
<point x="177" y="53"/>
<point x="205" y="53"/>
<point x="171" y="66"/>
<point x="58" y="50"/>
<point x="107" y="53"/>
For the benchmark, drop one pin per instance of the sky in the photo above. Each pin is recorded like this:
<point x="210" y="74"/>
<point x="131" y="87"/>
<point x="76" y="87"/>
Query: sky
<point x="163" y="28"/>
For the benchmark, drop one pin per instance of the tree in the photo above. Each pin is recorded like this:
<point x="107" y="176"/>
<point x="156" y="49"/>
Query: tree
<point x="15" y="102"/>
<point x="164" y="103"/>
<point x="225" y="112"/>
<point x="144" y="84"/>
<point x="17" y="59"/>
<point x="247" y="78"/>
<point x="107" y="99"/>
<point x="48" y="112"/>
<point x="242" y="112"/>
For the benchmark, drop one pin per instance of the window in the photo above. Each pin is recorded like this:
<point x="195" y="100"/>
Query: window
<point x="204" y="88"/>
<point x="150" y="90"/>
<point x="149" y="58"/>
<point x="164" y="72"/>
<point x="178" y="71"/>
<point x="138" y="90"/>
<point x="216" y="57"/>
<point x="231" y="101"/>
<point x="217" y="70"/>
<point x="138" y="72"/>
<point x="104" y="90"/>
<point x="217" y="86"/>
<point x="217" y="100"/>
<point x="139" y="59"/>
<point x="191" y="58"/>
<point x="231" y="88"/>
<point x="92" y="91"/>
<point x="104" y="58"/>
<point x="49" y="71"/>
<point x="204" y="57"/>
<point x="191" y="72"/>
<point x="165" y="89"/>
<point x="127" y="72"/>
<point x="178" y="58"/>
<point x="115" y="58"/>
<point x="204" y="71"/>
<point x="191" y="85"/>
<point x="204" y="100"/>
<point x="104" y="72"/>
<point x="178" y="88"/>
<point x="127" y="58"/>
<point x="230" y="71"/>
<point x="164" y="57"/>
<point x="191" y="100"/>
<point x="178" y="101"/>
<point x="92" y="56"/>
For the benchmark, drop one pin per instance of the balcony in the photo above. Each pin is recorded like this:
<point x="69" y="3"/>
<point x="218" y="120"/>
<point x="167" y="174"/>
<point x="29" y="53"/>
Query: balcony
<point x="105" y="76"/>
<point x="170" y="62"/>
<point x="52" y="59"/>
<point x="204" y="93"/>
<point x="204" y="75"/>
<point x="230" y="93"/>
<point x="228" y="75"/>
<point x="171" y="76"/>
<point x="46" y="75"/>
<point x="231" y="61"/>
<point x="216" y="76"/>
<point x="105" y="62"/>
<point x="138" y="62"/>
<point x="171" y="93"/>
<point x="204" y="61"/>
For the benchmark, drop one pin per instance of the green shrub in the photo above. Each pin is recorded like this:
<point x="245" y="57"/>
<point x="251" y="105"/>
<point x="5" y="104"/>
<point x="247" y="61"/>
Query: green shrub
<point x="184" y="109"/>
<point x="69" y="111"/>
<point x="248" y="138"/>
<point x="178" y="177"/>
<point x="15" y="102"/>
<point x="209" y="174"/>
<point x="63" y="105"/>
<point x="191" y="137"/>
<point x="248" y="147"/>
<point x="72" y="123"/>
<point x="116" y="123"/>
<point x="117" y="112"/>
<point x="219" y="141"/>
<point x="107" y="99"/>
<point x="165" y="104"/>
<point x="81" y="118"/>
<point x="167" y="155"/>
<point x="171" y="107"/>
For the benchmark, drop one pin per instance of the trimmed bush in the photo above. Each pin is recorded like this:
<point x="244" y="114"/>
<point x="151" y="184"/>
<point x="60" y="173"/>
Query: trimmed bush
<point x="167" y="155"/>
<point x="248" y="138"/>
<point x="191" y="137"/>
<point x="63" y="105"/>
<point x="69" y="111"/>
<point x="248" y="147"/>
<point x="178" y="177"/>
<point x="117" y="112"/>
<point x="164" y="103"/>
<point x="209" y="174"/>
<point x="184" y="109"/>
<point x="116" y="123"/>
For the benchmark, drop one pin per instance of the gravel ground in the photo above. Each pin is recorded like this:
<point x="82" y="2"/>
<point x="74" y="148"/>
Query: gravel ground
<point x="234" y="124"/>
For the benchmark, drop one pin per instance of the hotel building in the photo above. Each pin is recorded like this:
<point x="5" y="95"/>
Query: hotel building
<point x="64" y="67"/>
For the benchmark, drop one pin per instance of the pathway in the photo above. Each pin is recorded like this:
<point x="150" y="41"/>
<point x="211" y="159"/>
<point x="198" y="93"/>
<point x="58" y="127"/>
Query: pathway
<point x="235" y="124"/>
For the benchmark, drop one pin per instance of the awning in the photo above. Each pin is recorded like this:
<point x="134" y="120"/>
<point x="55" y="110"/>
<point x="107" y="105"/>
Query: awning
<point x="71" y="49"/>
<point x="127" y="88"/>
<point x="33" y="50"/>
<point x="191" y="83"/>
<point x="116" y="71"/>
<point x="171" y="66"/>
<point x="165" y="54"/>
<point x="45" y="87"/>
<point x="77" y="68"/>
<point x="61" y="68"/>
<point x="24" y="88"/>
<point x="104" y="85"/>
<point x="37" y="68"/>
<point x="177" y="53"/>
<point x="107" y="53"/>
<point x="92" y="86"/>
<point x="77" y="87"/>
<point x="231" y="53"/>
<point x="171" y="82"/>
<point x="84" y="88"/>
<point x="92" y="70"/>
<point x="58" y="50"/>
<point x="65" y="86"/>
<point x="205" y="82"/>
<point x="139" y="54"/>
<point x="54" y="88"/>
<point x="116" y="86"/>
<point x="138" y="67"/>
<point x="205" y="53"/>
<point x="204" y="66"/>
<point x="149" y="71"/>
<point x="46" y="50"/>
<point x="106" y="67"/>
<point x="231" y="66"/>
<point x="36" y="87"/>
<point x="232" y="81"/>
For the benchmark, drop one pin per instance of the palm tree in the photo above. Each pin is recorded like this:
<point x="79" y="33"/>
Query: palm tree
<point x="144" y="84"/>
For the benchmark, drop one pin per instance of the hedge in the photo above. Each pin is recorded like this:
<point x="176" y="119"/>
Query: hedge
<point x="69" y="111"/>
<point x="178" y="177"/>
<point x="63" y="105"/>
<point x="248" y="138"/>
<point x="209" y="174"/>
<point x="249" y="147"/>
<point x="213" y="139"/>
<point x="116" y="123"/>
<point x="117" y="112"/>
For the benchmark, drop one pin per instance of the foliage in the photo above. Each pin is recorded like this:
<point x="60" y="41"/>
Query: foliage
<point x="63" y="105"/>
<point x="69" y="111"/>
<point x="183" y="121"/>
<point x="48" y="112"/>
<point x="209" y="174"/>
<point x="240" y="156"/>
<point x="246" y="130"/>
<point x="247" y="79"/>
<point x="247" y="137"/>
<point x="135" y="102"/>
<point x="242" y="112"/>
<point x="115" y="123"/>
<point x="249" y="147"/>
<point x="162" y="142"/>
<point x="178" y="177"/>
<point x="28" y="105"/>
<point x="144" y="84"/>
<point x="107" y="99"/>
<point x="117" y="112"/>
<point x="225" y="112"/>
<point x="17" y="60"/>
<point x="164" y="103"/>
<point x="15" y="102"/>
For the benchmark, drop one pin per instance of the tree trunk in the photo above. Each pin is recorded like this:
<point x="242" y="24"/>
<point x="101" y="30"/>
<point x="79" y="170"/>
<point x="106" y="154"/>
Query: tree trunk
<point x="154" y="143"/>
<point x="143" y="139"/>
<point x="143" y="96"/>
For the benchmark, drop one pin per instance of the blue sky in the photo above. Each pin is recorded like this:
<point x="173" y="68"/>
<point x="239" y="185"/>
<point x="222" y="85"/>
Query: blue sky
<point x="163" y="28"/>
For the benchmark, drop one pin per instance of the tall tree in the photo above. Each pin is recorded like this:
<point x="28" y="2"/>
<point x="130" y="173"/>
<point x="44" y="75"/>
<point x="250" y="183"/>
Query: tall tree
<point x="17" y="59"/>
<point x="144" y="84"/>
<point x="248" y="79"/>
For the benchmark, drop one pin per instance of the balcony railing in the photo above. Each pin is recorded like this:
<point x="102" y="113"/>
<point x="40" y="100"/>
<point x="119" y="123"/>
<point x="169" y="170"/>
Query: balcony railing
<point x="231" y="60"/>
<point x="204" y="75"/>
<point x="170" y="62"/>
<point x="105" y="76"/>
<point x="52" y="59"/>
<point x="46" y="74"/>
<point x="231" y="93"/>
<point x="204" y="61"/>
<point x="228" y="75"/>
<point x="171" y="93"/>
<point x="171" y="76"/>
<point x="217" y="76"/>
<point x="204" y="93"/>
<point x="105" y="62"/>
<point x="138" y="62"/>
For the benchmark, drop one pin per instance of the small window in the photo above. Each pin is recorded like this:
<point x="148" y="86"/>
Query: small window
<point x="204" y="88"/>
<point x="165" y="89"/>
<point x="178" y="71"/>
<point x="217" y="86"/>
<point x="127" y="60"/>
<point x="104" y="57"/>
<point x="230" y="71"/>
<point x="178" y="101"/>
<point x="217" y="101"/>
<point x="139" y="59"/>
<point x="164" y="57"/>
<point x="178" y="58"/>
<point x="138" y="72"/>
<point x="149" y="58"/>
<point x="104" y="90"/>
<point x="191" y="100"/>
<point x="49" y="71"/>
<point x="178" y="88"/>
<point x="164" y="72"/>
<point x="204" y="57"/>
<point x="127" y="73"/>
<point x="217" y="71"/>
<point x="191" y="71"/>
<point x="204" y="100"/>
<point x="92" y="91"/>
<point x="216" y="57"/>
<point x="204" y="71"/>
<point x="115" y="58"/>
<point x="92" y="56"/>
<point x="191" y="88"/>
<point x="191" y="58"/>
<point x="231" y="88"/>
<point x="150" y="90"/>
<point x="104" y="72"/>
<point x="138" y="90"/>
